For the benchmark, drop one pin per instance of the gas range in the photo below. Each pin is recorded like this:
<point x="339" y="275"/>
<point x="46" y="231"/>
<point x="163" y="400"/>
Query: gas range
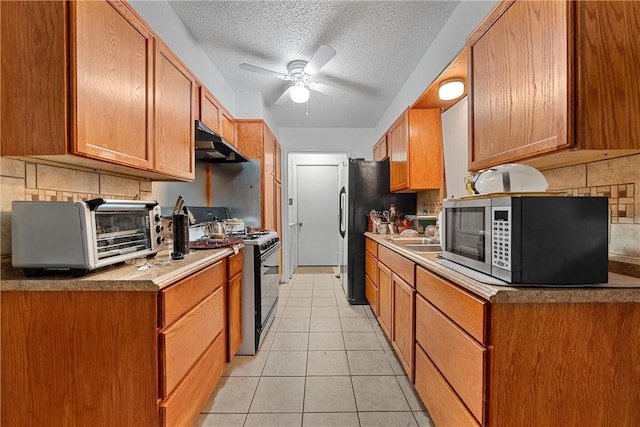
<point x="264" y="239"/>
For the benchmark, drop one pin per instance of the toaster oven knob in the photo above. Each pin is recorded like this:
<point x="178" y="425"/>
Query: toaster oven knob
<point x="159" y="240"/>
<point x="158" y="218"/>
<point x="159" y="228"/>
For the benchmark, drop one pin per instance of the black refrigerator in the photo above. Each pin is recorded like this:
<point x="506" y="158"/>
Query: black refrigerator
<point x="367" y="188"/>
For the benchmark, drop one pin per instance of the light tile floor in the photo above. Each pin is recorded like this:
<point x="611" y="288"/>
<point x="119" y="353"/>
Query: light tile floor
<point x="323" y="363"/>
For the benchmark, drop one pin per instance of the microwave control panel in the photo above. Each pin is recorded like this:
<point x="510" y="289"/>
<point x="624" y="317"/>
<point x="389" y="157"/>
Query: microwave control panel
<point x="501" y="237"/>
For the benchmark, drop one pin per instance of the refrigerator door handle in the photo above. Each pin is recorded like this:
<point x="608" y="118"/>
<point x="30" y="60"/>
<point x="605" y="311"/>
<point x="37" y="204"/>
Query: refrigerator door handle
<point x="343" y="202"/>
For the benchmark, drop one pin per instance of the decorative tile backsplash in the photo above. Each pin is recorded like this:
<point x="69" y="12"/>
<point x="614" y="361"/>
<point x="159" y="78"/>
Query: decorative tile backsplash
<point x="21" y="180"/>
<point x="622" y="201"/>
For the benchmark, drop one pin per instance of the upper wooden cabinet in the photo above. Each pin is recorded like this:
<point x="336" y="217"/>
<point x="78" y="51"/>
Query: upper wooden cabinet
<point x="78" y="88"/>
<point x="175" y="91"/>
<point x="256" y="141"/>
<point x="415" y="150"/>
<point x="554" y="83"/>
<point x="380" y="150"/>
<point x="228" y="125"/>
<point x="209" y="110"/>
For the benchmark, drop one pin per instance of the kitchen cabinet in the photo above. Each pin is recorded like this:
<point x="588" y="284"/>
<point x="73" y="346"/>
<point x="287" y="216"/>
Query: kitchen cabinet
<point x="371" y="274"/>
<point x="256" y="141"/>
<point x="415" y="151"/>
<point x="554" y="83"/>
<point x="71" y="70"/>
<point x="121" y="357"/>
<point x="228" y="125"/>
<point x="175" y="98"/>
<point x="380" y="151"/>
<point x="209" y="110"/>
<point x="234" y="304"/>
<point x="385" y="299"/>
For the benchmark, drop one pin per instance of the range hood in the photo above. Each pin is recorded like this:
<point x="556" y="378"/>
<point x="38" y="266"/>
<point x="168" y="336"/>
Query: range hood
<point x="210" y="147"/>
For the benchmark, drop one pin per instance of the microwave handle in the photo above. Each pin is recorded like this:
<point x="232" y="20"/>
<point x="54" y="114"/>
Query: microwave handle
<point x="441" y="228"/>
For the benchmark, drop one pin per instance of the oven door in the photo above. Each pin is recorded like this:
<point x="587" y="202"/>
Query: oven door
<point x="269" y="281"/>
<point x="467" y="233"/>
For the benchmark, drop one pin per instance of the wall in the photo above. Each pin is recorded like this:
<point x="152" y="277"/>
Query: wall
<point x="356" y="142"/>
<point x="618" y="179"/>
<point x="21" y="180"/>
<point x="456" y="146"/>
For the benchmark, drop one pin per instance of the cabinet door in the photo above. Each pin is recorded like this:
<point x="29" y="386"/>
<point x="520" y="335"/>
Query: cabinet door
<point x="228" y="127"/>
<point x="112" y="82"/>
<point x="268" y="202"/>
<point x="404" y="298"/>
<point x="174" y="115"/>
<point x="234" y="313"/>
<point x="520" y="87"/>
<point x="209" y="110"/>
<point x="385" y="299"/>
<point x="398" y="139"/>
<point x="278" y="162"/>
<point x="380" y="149"/>
<point x="269" y="150"/>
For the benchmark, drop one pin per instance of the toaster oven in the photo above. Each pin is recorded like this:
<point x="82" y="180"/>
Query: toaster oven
<point x="83" y="235"/>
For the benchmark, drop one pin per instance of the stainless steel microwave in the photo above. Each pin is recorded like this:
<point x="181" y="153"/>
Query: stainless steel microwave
<point x="83" y="235"/>
<point x="546" y="240"/>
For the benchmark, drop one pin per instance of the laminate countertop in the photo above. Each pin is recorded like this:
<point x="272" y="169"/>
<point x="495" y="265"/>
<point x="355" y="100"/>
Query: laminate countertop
<point x="150" y="274"/>
<point x="620" y="288"/>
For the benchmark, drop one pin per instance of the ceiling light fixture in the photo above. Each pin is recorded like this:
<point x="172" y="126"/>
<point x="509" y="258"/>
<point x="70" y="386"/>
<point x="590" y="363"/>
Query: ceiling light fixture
<point x="299" y="93"/>
<point x="451" y="89"/>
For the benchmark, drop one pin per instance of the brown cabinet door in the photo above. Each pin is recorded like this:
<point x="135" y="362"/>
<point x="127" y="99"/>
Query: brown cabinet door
<point x="520" y="88"/>
<point x="209" y="110"/>
<point x="385" y="299"/>
<point x="234" y="313"/>
<point x="268" y="202"/>
<point x="228" y="127"/>
<point x="278" y="162"/>
<point x="380" y="151"/>
<point x="174" y="115"/>
<point x="112" y="75"/>
<point x="398" y="138"/>
<point x="404" y="298"/>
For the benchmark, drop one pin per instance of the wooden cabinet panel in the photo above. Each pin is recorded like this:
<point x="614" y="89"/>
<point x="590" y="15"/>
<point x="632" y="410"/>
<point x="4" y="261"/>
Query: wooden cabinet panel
<point x="385" y="299"/>
<point x="174" y="115"/>
<point x="456" y="355"/>
<point x="380" y="151"/>
<point x="234" y="315"/>
<point x="269" y="150"/>
<point x="545" y="87"/>
<point x="404" y="297"/>
<point x="444" y="406"/>
<point x="371" y="246"/>
<point x="179" y="298"/>
<point x="371" y="266"/>
<point x="415" y="151"/>
<point x="468" y="311"/>
<point x="371" y="293"/>
<point x="209" y="110"/>
<point x="184" y="405"/>
<point x="113" y="83"/>
<point x="182" y="343"/>
<point x="402" y="266"/>
<point x="278" y="162"/>
<point x="235" y="264"/>
<point x="228" y="127"/>
<point x="79" y="358"/>
<point x="268" y="203"/>
<point x="250" y="137"/>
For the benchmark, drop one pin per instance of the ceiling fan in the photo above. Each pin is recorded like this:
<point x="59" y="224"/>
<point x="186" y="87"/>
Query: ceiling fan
<point x="300" y="74"/>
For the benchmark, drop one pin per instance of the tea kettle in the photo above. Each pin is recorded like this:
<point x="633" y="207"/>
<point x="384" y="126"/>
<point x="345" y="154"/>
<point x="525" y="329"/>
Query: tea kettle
<point x="508" y="178"/>
<point x="214" y="229"/>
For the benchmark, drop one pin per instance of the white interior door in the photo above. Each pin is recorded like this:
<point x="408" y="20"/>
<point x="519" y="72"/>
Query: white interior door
<point x="318" y="227"/>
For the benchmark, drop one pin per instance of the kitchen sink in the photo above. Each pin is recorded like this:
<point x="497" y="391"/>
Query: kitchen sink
<point x="417" y="244"/>
<point x="423" y="247"/>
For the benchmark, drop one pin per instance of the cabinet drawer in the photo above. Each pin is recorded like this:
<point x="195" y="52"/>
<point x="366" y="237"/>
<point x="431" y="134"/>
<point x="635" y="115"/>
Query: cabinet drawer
<point x="371" y="293"/>
<point x="371" y="267"/>
<point x="181" y="297"/>
<point x="183" y="406"/>
<point x="371" y="246"/>
<point x="468" y="311"/>
<point x="184" y="341"/>
<point x="398" y="264"/>
<point x="457" y="356"/>
<point x="235" y="264"/>
<point x="441" y="401"/>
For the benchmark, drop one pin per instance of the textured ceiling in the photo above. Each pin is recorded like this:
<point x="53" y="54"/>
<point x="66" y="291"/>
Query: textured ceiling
<point x="378" y="45"/>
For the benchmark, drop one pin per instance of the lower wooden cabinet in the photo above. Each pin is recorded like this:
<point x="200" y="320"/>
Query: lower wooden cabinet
<point x="404" y="299"/>
<point x="234" y="305"/>
<point x="371" y="277"/>
<point x="385" y="299"/>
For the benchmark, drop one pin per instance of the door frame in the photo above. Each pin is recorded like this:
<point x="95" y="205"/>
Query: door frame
<point x="294" y="159"/>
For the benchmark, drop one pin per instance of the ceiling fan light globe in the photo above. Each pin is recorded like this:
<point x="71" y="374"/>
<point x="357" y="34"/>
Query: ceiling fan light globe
<point x="451" y="89"/>
<point x="299" y="94"/>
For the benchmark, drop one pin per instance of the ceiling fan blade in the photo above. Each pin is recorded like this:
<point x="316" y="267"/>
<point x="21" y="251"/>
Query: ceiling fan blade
<point x="260" y="70"/>
<point x="284" y="97"/>
<point x="327" y="89"/>
<point x="319" y="59"/>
